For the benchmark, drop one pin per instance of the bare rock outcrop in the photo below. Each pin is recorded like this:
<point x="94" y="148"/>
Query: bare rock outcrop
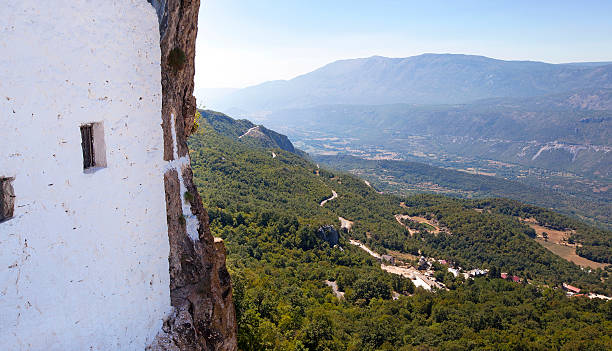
<point x="200" y="286"/>
<point x="329" y="234"/>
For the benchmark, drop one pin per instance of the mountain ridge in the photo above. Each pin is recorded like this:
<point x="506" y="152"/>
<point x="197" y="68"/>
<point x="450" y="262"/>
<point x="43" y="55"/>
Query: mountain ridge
<point x="246" y="131"/>
<point x="423" y="79"/>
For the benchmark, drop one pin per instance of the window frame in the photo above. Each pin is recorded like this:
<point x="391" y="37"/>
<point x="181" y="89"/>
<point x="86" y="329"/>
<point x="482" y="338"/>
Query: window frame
<point x="93" y="146"/>
<point x="7" y="199"/>
<point x="87" y="144"/>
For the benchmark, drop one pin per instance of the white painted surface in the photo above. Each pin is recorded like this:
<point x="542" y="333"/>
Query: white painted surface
<point x="192" y="224"/>
<point x="99" y="144"/>
<point x="85" y="259"/>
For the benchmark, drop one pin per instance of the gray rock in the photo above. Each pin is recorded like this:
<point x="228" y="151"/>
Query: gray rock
<point x="329" y="234"/>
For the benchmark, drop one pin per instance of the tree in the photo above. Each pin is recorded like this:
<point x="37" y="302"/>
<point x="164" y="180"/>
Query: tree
<point x="494" y="272"/>
<point x="371" y="287"/>
<point x="318" y="329"/>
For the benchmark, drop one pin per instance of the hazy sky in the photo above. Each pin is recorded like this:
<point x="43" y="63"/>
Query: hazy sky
<point x="245" y="42"/>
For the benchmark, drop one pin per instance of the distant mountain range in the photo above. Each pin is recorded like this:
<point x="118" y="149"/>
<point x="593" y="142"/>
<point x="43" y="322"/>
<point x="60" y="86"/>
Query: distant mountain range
<point x="423" y="79"/>
<point x="551" y="116"/>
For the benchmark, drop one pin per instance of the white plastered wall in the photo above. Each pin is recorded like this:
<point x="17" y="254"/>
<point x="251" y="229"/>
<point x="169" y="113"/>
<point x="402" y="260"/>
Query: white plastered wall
<point x="84" y="261"/>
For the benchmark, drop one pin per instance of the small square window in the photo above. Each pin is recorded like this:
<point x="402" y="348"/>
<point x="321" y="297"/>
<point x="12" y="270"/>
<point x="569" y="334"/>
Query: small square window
<point x="94" y="148"/>
<point x="7" y="199"/>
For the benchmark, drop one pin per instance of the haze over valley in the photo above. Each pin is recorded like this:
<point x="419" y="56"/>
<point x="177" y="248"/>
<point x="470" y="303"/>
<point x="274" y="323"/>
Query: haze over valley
<point x="545" y="125"/>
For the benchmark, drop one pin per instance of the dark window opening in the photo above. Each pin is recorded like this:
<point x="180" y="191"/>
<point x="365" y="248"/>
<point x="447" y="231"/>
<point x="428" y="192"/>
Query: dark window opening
<point x="7" y="199"/>
<point x="88" y="146"/>
<point x="94" y="148"/>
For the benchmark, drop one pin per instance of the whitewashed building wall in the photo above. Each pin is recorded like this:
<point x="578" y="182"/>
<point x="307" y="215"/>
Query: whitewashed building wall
<point x="84" y="259"/>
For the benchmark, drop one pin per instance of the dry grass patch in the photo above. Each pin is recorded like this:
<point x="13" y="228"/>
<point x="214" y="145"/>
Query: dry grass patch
<point x="345" y="224"/>
<point x="557" y="243"/>
<point x="569" y="253"/>
<point x="405" y="257"/>
<point x="554" y="236"/>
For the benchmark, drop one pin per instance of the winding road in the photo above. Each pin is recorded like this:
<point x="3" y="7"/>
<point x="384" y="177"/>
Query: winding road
<point x="334" y="195"/>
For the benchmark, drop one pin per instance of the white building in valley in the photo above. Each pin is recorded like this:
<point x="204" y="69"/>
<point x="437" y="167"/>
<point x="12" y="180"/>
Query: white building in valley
<point x="83" y="226"/>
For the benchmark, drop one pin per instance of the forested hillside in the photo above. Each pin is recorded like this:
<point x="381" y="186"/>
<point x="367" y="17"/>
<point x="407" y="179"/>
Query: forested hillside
<point x="268" y="206"/>
<point x="401" y="177"/>
<point x="245" y="131"/>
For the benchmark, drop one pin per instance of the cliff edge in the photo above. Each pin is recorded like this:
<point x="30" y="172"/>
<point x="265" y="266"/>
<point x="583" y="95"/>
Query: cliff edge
<point x="200" y="286"/>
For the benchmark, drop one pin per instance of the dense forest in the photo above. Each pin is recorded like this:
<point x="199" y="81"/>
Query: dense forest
<point x="268" y="210"/>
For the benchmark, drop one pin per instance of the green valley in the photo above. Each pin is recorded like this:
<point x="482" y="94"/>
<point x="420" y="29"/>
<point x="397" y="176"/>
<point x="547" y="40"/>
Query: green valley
<point x="403" y="178"/>
<point x="284" y="257"/>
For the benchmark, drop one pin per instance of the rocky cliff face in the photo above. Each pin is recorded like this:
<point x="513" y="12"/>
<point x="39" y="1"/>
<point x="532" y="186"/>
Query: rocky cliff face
<point x="329" y="234"/>
<point x="200" y="286"/>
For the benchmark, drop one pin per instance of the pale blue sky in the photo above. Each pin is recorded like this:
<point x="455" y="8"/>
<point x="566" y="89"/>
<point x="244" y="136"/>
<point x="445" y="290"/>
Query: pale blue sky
<point x="245" y="42"/>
